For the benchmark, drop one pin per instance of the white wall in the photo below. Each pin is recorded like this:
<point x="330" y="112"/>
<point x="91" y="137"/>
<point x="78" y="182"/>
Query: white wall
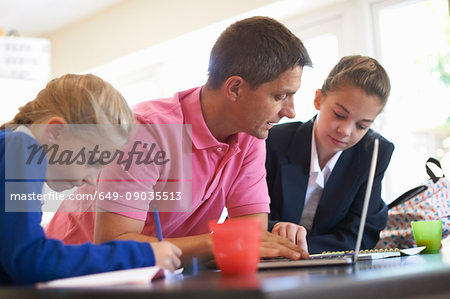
<point x="133" y="25"/>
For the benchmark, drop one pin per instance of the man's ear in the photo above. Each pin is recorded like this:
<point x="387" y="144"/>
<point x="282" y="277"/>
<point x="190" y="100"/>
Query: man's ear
<point x="54" y="128"/>
<point x="233" y="87"/>
<point x="318" y="99"/>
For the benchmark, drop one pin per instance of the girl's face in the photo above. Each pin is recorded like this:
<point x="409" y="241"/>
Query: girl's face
<point x="345" y="115"/>
<point x="68" y="169"/>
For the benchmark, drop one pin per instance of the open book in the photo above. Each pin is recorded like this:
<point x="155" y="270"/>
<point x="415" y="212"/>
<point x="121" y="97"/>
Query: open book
<point x="130" y="276"/>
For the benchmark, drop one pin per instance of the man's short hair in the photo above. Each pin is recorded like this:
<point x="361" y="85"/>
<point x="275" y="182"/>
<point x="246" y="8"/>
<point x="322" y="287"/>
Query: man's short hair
<point x="258" y="49"/>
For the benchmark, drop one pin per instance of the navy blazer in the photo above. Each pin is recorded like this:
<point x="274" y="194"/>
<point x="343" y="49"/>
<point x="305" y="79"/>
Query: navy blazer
<point x="338" y="214"/>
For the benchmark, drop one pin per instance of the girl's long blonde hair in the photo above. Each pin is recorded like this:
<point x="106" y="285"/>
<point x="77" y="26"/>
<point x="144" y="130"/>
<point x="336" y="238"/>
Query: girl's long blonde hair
<point x="78" y="99"/>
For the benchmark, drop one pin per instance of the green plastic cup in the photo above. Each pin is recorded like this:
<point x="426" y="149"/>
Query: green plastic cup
<point x="429" y="234"/>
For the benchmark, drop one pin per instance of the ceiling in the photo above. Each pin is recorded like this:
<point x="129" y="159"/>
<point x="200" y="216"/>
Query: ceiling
<point x="39" y="17"/>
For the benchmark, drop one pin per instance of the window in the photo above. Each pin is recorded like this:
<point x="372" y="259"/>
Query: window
<point x="313" y="78"/>
<point x="414" y="46"/>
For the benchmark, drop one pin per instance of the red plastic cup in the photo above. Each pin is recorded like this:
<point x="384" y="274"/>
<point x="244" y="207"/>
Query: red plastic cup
<point x="236" y="244"/>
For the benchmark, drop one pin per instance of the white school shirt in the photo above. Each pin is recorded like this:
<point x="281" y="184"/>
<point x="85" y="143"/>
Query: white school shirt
<point x="317" y="180"/>
<point x="24" y="129"/>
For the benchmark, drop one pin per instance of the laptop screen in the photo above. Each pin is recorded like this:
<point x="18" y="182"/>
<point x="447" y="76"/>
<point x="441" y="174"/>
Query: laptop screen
<point x="362" y="224"/>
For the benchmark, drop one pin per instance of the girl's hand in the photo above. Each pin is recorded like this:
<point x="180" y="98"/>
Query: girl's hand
<point x="167" y="255"/>
<point x="295" y="233"/>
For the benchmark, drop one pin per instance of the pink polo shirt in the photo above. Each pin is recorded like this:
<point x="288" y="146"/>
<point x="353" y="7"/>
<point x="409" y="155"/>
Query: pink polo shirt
<point x="228" y="175"/>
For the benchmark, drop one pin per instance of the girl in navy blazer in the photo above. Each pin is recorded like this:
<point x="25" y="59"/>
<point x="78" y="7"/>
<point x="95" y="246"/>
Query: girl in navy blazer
<point x="317" y="171"/>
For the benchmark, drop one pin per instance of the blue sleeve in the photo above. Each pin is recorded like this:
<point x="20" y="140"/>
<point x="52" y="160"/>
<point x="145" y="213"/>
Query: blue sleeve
<point x="27" y="256"/>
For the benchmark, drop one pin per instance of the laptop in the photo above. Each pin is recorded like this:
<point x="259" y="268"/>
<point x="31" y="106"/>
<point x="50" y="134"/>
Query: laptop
<point x="344" y="258"/>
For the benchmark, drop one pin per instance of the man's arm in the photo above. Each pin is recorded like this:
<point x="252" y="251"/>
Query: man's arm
<point x="112" y="226"/>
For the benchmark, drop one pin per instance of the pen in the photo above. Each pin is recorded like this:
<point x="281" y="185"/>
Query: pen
<point x="167" y="273"/>
<point x="157" y="224"/>
<point x="194" y="266"/>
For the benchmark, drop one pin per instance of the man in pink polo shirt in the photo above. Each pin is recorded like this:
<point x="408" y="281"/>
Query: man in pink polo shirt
<point x="254" y="71"/>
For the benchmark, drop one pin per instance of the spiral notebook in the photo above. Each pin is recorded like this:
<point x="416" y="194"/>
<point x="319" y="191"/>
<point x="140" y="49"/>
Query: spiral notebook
<point x="339" y="258"/>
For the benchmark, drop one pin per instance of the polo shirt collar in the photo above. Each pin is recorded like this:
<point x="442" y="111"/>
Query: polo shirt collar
<point x="202" y="137"/>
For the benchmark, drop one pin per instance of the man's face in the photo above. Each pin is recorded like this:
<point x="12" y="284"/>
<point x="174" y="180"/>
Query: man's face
<point x="259" y="109"/>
